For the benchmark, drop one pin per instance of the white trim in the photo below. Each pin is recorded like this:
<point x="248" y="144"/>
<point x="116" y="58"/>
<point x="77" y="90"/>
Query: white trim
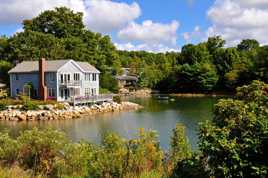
<point x="74" y="63"/>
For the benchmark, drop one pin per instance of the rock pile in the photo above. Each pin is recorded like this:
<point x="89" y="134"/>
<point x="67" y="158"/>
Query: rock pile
<point x="49" y="112"/>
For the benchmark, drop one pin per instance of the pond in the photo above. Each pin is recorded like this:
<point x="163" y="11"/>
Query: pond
<point x="159" y="115"/>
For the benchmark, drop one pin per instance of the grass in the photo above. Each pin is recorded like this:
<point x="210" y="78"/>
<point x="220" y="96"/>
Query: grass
<point x="11" y="101"/>
<point x="14" y="172"/>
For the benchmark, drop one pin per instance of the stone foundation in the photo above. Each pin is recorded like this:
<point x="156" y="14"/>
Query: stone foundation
<point x="47" y="112"/>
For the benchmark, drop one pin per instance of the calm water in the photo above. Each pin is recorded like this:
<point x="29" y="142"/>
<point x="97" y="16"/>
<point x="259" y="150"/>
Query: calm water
<point x="156" y="115"/>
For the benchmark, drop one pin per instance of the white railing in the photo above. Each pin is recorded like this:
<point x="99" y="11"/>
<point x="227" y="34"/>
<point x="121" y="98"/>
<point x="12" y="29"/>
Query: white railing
<point x="91" y="99"/>
<point x="70" y="82"/>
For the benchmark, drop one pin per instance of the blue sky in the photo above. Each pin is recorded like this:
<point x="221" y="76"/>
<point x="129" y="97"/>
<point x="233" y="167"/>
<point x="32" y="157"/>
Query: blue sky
<point x="153" y="25"/>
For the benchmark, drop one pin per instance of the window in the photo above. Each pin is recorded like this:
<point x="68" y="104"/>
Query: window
<point x="64" y="78"/>
<point x="87" y="91"/>
<point x="76" y="76"/>
<point x="94" y="77"/>
<point x="16" y="77"/>
<point x="93" y="91"/>
<point x="17" y="91"/>
<point x="87" y="76"/>
<point x="51" y="76"/>
<point x="51" y="92"/>
<point x="76" y="91"/>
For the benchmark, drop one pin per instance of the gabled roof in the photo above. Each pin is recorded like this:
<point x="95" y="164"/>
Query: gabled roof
<point x="51" y="66"/>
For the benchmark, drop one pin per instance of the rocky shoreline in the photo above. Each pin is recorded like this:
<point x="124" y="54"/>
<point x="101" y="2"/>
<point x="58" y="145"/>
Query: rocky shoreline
<point x="49" y="112"/>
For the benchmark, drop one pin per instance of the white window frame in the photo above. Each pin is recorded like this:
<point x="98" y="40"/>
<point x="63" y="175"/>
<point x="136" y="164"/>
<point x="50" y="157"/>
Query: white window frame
<point x="76" y="76"/>
<point x="87" y="76"/>
<point x="51" y="92"/>
<point x="87" y="91"/>
<point x="94" y="77"/>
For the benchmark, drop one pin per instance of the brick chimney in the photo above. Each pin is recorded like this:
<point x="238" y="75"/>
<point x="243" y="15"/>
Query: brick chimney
<point x="42" y="87"/>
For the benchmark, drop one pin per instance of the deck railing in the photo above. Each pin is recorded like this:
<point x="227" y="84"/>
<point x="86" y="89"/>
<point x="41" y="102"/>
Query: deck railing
<point x="70" y="82"/>
<point x="91" y="99"/>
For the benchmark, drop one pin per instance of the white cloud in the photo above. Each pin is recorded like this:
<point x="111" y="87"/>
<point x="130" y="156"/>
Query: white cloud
<point x="196" y="34"/>
<point x="150" y="33"/>
<point x="107" y="16"/>
<point x="235" y="20"/>
<point x="15" y="11"/>
<point x="149" y="36"/>
<point x="99" y="15"/>
<point x="145" y="47"/>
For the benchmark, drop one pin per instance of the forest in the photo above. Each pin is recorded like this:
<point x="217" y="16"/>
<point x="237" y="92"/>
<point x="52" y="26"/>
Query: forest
<point x="206" y="67"/>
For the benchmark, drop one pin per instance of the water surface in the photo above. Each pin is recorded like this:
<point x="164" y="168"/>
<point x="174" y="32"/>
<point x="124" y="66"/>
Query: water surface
<point x="159" y="115"/>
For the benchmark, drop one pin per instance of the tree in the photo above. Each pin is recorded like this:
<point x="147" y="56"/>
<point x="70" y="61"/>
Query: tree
<point x="61" y="22"/>
<point x="248" y="45"/>
<point x="5" y="66"/>
<point x="235" y="142"/>
<point x="261" y="63"/>
<point x="215" y="43"/>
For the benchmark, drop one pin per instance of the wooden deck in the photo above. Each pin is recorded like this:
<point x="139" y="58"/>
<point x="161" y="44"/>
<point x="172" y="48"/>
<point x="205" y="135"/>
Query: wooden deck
<point x="81" y="100"/>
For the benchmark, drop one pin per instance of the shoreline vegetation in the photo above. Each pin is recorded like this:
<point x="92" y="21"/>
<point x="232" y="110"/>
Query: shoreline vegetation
<point x="233" y="144"/>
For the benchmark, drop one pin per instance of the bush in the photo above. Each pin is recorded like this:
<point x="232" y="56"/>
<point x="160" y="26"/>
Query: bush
<point x="39" y="149"/>
<point x="192" y="167"/>
<point x="117" y="99"/>
<point x="3" y="94"/>
<point x="8" y="149"/>
<point x="59" y="106"/>
<point x="235" y="142"/>
<point x="27" y="103"/>
<point x="2" y="106"/>
<point x="14" y="172"/>
<point x="29" y="106"/>
<point x="180" y="149"/>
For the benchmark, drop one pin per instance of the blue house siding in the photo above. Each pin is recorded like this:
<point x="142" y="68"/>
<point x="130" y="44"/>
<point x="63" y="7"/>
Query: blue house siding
<point x="23" y="78"/>
<point x="60" y="90"/>
<point x="51" y="83"/>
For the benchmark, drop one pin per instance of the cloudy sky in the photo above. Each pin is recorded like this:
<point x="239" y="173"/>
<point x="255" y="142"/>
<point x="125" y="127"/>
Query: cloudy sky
<point x="153" y="25"/>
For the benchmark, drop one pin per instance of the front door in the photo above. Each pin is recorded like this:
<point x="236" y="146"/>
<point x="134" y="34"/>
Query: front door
<point x="65" y="93"/>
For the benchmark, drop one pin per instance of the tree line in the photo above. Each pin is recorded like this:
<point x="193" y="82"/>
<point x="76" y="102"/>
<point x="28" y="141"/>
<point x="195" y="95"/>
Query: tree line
<point x="205" y="67"/>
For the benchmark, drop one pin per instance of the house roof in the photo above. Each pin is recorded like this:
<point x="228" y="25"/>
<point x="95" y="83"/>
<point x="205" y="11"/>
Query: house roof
<point x="51" y="66"/>
<point x="127" y="78"/>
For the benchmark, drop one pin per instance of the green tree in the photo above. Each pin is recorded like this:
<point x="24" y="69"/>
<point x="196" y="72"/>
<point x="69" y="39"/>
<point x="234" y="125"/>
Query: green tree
<point x="61" y="22"/>
<point x="261" y="64"/>
<point x="248" y="44"/>
<point x="235" y="143"/>
<point x="214" y="43"/>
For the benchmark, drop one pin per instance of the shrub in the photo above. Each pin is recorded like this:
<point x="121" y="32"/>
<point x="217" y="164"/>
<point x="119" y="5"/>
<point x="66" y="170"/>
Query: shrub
<point x="27" y="103"/>
<point x="192" y="167"/>
<point x="59" y="106"/>
<point x="117" y="99"/>
<point x="40" y="148"/>
<point x="29" y="106"/>
<point x="235" y="142"/>
<point x="8" y="149"/>
<point x="14" y="172"/>
<point x="2" y="106"/>
<point x="180" y="149"/>
<point x="3" y="94"/>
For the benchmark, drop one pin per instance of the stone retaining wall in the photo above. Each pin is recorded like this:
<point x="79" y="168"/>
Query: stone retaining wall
<point x="13" y="113"/>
